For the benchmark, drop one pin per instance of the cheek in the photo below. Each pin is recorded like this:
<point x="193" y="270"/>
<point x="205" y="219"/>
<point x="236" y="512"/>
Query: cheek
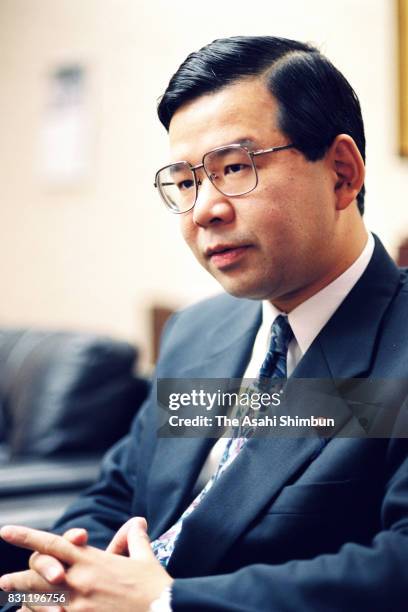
<point x="285" y="221"/>
<point x="274" y="212"/>
<point x="296" y="201"/>
<point x="188" y="231"/>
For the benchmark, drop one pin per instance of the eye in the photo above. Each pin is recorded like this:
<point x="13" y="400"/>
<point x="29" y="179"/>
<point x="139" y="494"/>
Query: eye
<point x="234" y="168"/>
<point x="186" y="184"/>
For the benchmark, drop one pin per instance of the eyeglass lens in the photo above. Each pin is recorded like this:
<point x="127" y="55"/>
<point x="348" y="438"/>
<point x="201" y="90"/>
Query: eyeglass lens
<point x="230" y="169"/>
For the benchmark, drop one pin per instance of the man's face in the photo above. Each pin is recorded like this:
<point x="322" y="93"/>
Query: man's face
<point x="272" y="243"/>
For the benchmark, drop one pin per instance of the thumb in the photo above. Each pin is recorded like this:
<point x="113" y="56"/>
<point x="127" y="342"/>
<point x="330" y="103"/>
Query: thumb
<point x="138" y="540"/>
<point x="119" y="542"/>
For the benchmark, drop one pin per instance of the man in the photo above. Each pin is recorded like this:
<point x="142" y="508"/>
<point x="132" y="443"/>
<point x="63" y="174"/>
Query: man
<point x="270" y="200"/>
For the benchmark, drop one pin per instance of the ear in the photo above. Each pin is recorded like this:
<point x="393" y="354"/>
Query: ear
<point x="349" y="170"/>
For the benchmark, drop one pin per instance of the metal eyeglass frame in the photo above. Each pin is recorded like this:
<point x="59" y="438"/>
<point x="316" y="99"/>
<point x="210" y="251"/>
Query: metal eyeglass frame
<point x="211" y="177"/>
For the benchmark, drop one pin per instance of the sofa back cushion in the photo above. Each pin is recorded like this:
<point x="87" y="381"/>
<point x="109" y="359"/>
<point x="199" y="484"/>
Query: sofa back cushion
<point x="63" y="392"/>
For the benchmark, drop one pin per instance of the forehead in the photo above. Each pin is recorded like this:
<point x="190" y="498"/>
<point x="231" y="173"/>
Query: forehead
<point x="245" y="110"/>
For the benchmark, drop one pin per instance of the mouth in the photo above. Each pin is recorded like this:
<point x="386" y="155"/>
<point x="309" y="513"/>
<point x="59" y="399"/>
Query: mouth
<point x="224" y="255"/>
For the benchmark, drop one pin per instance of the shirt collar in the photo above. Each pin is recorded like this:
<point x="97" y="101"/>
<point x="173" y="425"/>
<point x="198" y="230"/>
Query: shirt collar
<point x="309" y="318"/>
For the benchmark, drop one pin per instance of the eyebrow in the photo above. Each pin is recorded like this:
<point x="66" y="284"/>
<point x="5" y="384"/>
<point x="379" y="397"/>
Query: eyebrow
<point x="245" y="142"/>
<point x="177" y="167"/>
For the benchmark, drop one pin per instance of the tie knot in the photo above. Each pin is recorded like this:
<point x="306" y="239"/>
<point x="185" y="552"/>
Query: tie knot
<point x="274" y="364"/>
<point x="281" y="335"/>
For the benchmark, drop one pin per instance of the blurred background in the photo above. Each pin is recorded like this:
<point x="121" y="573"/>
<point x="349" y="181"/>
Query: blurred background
<point x="84" y="241"/>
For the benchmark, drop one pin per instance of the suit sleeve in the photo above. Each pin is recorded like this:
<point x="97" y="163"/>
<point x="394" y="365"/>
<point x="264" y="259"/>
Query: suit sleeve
<point x="120" y="490"/>
<point x="105" y="506"/>
<point x="372" y="578"/>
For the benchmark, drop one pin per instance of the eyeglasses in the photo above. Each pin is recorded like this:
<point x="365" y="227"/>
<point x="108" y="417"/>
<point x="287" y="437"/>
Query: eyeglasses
<point x="231" y="169"/>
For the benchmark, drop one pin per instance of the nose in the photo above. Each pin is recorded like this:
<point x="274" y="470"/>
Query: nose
<point x="211" y="205"/>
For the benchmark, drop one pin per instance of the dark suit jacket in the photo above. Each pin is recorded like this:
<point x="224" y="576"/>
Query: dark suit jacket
<point x="289" y="526"/>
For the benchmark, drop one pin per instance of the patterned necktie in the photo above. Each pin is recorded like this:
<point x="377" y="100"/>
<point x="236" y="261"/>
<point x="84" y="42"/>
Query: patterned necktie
<point x="275" y="361"/>
<point x="274" y="365"/>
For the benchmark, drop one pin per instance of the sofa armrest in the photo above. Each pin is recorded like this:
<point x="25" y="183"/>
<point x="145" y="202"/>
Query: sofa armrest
<point x="36" y="493"/>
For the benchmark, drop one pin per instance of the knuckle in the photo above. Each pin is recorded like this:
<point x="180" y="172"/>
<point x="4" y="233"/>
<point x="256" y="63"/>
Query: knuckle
<point x="82" y="580"/>
<point x="52" y="543"/>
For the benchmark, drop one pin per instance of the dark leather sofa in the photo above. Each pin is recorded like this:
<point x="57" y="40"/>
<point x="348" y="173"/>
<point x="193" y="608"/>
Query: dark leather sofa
<point x="64" y="399"/>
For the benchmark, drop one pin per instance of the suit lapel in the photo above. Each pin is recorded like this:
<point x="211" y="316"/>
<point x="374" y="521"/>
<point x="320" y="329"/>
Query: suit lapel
<point x="256" y="476"/>
<point x="178" y="461"/>
<point x="348" y="341"/>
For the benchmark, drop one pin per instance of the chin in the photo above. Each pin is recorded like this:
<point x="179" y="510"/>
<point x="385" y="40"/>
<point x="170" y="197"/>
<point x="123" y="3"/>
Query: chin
<point x="243" y="291"/>
<point x="245" y="284"/>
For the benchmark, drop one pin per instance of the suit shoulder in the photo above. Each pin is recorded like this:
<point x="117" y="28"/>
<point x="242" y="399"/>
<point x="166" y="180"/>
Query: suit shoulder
<point x="212" y="306"/>
<point x="204" y="317"/>
<point x="401" y="296"/>
<point x="404" y="279"/>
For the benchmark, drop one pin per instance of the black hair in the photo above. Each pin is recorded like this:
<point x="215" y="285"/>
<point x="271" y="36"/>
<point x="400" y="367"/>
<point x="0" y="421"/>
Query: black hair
<point x="316" y="102"/>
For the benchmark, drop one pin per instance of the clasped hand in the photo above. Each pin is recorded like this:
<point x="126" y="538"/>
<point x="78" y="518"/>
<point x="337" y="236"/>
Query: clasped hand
<point x="126" y="576"/>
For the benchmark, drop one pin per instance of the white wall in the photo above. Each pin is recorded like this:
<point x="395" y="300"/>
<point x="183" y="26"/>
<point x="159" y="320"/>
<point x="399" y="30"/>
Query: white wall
<point x="96" y="255"/>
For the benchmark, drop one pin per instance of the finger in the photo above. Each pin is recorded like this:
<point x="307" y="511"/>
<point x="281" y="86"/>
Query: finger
<point x="23" y="581"/>
<point x="119" y="545"/>
<point x="138" y="540"/>
<point x="50" y="568"/>
<point x="41" y="541"/>
<point x="77" y="536"/>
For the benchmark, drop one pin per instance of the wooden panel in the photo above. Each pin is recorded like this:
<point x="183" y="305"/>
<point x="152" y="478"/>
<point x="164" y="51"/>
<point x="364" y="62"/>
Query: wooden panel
<point x="403" y="74"/>
<point x="158" y="317"/>
<point x="403" y="254"/>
